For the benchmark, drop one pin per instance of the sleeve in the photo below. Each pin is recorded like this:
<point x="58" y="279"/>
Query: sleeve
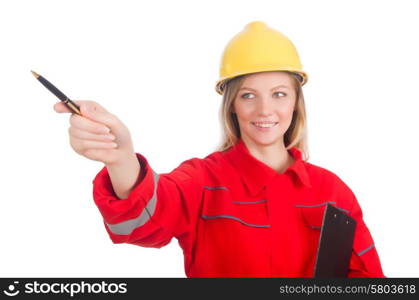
<point x="364" y="260"/>
<point x="159" y="207"/>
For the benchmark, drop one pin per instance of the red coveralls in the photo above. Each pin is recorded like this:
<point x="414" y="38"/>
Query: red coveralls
<point x="234" y="216"/>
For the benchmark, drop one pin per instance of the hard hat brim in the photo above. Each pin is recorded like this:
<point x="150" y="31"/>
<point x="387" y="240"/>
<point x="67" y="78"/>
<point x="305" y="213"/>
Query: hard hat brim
<point x="220" y="84"/>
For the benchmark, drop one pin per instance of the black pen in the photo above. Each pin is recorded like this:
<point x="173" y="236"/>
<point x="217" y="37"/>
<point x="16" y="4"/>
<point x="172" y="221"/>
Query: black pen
<point x="70" y="104"/>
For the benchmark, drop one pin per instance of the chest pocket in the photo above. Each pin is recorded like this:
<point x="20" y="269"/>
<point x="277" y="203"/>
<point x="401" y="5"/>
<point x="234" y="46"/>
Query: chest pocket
<point x="220" y="206"/>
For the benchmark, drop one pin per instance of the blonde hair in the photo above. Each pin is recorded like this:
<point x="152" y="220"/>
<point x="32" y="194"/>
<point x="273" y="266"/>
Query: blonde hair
<point x="295" y="136"/>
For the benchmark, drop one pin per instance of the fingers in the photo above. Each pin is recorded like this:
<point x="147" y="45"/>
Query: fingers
<point x="60" y="107"/>
<point x="85" y="145"/>
<point x="92" y="111"/>
<point x="85" y="106"/>
<point x="86" y="135"/>
<point x="83" y="124"/>
<point x="97" y="113"/>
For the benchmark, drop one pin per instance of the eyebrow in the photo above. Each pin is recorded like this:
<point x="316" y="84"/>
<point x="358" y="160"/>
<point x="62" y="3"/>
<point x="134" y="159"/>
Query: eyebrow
<point x="281" y="85"/>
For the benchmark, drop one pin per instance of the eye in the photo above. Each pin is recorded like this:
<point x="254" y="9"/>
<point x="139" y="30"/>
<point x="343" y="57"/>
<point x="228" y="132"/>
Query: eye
<point x="280" y="93"/>
<point x="244" y="95"/>
<point x="247" y="95"/>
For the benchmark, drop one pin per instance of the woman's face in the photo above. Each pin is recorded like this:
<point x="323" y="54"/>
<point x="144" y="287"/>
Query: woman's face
<point x="264" y="106"/>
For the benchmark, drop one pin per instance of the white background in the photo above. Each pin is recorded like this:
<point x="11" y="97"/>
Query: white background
<point x="154" y="64"/>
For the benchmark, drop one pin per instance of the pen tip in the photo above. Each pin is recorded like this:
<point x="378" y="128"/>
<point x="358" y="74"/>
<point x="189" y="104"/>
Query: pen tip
<point x="35" y="74"/>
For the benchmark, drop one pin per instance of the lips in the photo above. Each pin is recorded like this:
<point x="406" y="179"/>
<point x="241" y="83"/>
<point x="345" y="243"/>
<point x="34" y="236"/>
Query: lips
<point x="264" y="124"/>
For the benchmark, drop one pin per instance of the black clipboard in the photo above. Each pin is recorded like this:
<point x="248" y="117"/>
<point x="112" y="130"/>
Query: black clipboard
<point x="335" y="244"/>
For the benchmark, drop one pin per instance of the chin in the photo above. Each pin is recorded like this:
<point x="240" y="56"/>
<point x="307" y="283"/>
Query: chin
<point x="266" y="141"/>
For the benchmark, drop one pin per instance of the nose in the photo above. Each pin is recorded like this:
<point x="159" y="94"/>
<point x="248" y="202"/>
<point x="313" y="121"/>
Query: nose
<point x="264" y="107"/>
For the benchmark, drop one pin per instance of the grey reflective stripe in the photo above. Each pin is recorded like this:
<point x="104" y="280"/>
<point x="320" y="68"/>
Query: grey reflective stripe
<point x="315" y="227"/>
<point x="316" y="205"/>
<point x="366" y="250"/>
<point x="126" y="227"/>
<point x="249" y="202"/>
<point x="234" y="218"/>
<point x="324" y="203"/>
<point x="215" y="187"/>
<point x="347" y="211"/>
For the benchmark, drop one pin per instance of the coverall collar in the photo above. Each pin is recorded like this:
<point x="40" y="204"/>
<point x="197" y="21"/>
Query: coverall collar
<point x="257" y="174"/>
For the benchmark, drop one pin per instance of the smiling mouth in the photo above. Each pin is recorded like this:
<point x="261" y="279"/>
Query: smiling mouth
<point x="264" y="124"/>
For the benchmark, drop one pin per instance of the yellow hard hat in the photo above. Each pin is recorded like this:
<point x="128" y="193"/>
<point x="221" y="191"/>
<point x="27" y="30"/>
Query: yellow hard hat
<point x="258" y="48"/>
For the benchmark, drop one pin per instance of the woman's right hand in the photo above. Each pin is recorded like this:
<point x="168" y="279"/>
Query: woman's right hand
<point x="97" y="134"/>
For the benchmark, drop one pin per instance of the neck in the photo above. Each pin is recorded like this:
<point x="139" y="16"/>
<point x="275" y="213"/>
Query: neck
<point x="275" y="155"/>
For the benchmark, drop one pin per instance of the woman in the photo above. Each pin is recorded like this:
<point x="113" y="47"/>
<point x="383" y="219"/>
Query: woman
<point x="252" y="209"/>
